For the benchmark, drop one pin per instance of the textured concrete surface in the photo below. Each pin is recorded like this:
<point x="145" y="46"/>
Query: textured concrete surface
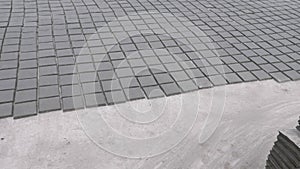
<point x="253" y="114"/>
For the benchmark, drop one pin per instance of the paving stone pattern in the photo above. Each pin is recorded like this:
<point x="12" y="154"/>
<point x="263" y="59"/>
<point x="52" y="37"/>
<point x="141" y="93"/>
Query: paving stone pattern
<point x="50" y="59"/>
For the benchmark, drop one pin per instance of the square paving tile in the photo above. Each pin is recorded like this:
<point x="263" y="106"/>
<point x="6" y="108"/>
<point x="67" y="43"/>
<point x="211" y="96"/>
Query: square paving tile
<point x="115" y="97"/>
<point x="49" y="104"/>
<point x="134" y="93"/>
<point x="6" y="96"/>
<point x="147" y="81"/>
<point x="203" y="82"/>
<point x="26" y="95"/>
<point x="96" y="99"/>
<point x="25" y="109"/>
<point x="70" y="90"/>
<point x="48" y="91"/>
<point x="187" y="86"/>
<point x="233" y="78"/>
<point x="217" y="80"/>
<point x="153" y="92"/>
<point x="5" y="110"/>
<point x="280" y="77"/>
<point x="72" y="103"/>
<point x="170" y="89"/>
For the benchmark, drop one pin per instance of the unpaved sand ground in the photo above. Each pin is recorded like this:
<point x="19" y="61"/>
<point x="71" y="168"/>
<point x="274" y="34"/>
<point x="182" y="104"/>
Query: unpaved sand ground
<point x="253" y="114"/>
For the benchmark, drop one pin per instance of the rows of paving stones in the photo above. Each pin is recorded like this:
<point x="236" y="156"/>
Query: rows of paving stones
<point x="51" y="59"/>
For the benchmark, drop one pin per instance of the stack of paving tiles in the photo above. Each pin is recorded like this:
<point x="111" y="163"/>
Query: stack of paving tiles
<point x="285" y="153"/>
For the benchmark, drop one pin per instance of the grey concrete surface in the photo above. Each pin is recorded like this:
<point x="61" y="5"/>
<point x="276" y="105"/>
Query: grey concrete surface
<point x="253" y="114"/>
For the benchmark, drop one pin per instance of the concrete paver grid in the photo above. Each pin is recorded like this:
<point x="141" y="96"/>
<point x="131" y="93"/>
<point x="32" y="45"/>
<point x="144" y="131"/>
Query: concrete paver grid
<point x="44" y="66"/>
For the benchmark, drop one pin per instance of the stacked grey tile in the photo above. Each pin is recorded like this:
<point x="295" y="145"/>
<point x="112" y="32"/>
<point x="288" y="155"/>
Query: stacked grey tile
<point x="286" y="150"/>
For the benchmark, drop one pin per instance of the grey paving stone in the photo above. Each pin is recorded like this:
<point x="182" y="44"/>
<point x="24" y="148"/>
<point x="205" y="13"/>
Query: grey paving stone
<point x="96" y="99"/>
<point x="67" y="69"/>
<point x="104" y="66"/>
<point x="49" y="104"/>
<point x="292" y="74"/>
<point x="86" y="67"/>
<point x="91" y="87"/>
<point x="179" y="76"/>
<point x="25" y="64"/>
<point x="187" y="86"/>
<point x="9" y="64"/>
<point x="48" y="91"/>
<point x="281" y="66"/>
<point x="62" y="52"/>
<point x="27" y="73"/>
<point x="217" y="80"/>
<point x="113" y="97"/>
<point x="173" y="67"/>
<point x="106" y="75"/>
<point x="258" y="60"/>
<point x="157" y="69"/>
<point x="233" y="78"/>
<point x="269" y="68"/>
<point x="170" y="89"/>
<point x="152" y="60"/>
<point x="141" y="71"/>
<point x="284" y="58"/>
<point x="9" y="56"/>
<point x="237" y="67"/>
<point x="46" y="53"/>
<point x="209" y="71"/>
<point x="68" y="79"/>
<point x="163" y="78"/>
<point x="203" y="82"/>
<point x="116" y="55"/>
<point x="48" y="80"/>
<point x="193" y="73"/>
<point x="5" y="110"/>
<point x="27" y="84"/>
<point x="153" y="92"/>
<point x="136" y="63"/>
<point x="6" y="96"/>
<point x="47" y="61"/>
<point x="120" y="63"/>
<point x="70" y="90"/>
<point x="8" y="74"/>
<point x="25" y="109"/>
<point x="109" y="85"/>
<point x="228" y="60"/>
<point x="250" y="66"/>
<point x="69" y="60"/>
<point x="26" y="95"/>
<point x="72" y="103"/>
<point x="48" y="70"/>
<point x="167" y="59"/>
<point x="124" y="72"/>
<point x="247" y="76"/>
<point x="271" y="59"/>
<point x="261" y="75"/>
<point x="129" y="82"/>
<point x="134" y="93"/>
<point x="294" y="65"/>
<point x="147" y="81"/>
<point x="88" y="77"/>
<point x="280" y="77"/>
